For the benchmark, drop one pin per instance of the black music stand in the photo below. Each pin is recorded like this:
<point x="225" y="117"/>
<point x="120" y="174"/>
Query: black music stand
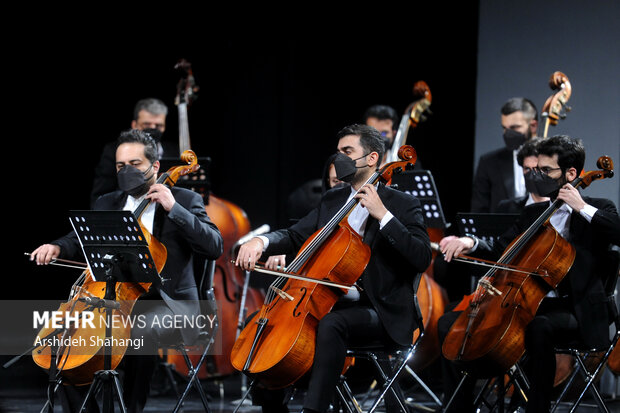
<point x="420" y="183"/>
<point x="117" y="251"/>
<point x="486" y="226"/>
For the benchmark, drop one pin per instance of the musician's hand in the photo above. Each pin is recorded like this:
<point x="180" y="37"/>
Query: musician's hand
<point x="369" y="199"/>
<point x="571" y="196"/>
<point x="161" y="194"/>
<point x="276" y="262"/>
<point x="249" y="253"/>
<point x="454" y="246"/>
<point x="45" y="254"/>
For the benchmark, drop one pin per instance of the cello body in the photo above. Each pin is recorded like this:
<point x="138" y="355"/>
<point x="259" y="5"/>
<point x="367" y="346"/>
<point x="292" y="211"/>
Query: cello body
<point x="489" y="335"/>
<point x="286" y="345"/>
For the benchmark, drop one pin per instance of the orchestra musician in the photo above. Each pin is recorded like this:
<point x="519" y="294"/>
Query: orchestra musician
<point x="527" y="158"/>
<point x="498" y="175"/>
<point x="149" y="115"/>
<point x="577" y="307"/>
<point x="392" y="224"/>
<point x="384" y="119"/>
<point x="177" y="218"/>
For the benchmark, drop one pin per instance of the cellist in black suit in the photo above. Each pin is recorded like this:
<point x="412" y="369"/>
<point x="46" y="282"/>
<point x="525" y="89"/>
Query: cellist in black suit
<point x="577" y="309"/>
<point x="392" y="224"/>
<point x="177" y="218"/>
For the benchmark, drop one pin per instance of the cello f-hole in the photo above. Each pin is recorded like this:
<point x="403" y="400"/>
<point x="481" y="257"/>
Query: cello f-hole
<point x="295" y="312"/>
<point x="506" y="295"/>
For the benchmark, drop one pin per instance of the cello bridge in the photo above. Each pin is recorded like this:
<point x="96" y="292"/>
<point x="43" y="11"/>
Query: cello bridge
<point x="282" y="294"/>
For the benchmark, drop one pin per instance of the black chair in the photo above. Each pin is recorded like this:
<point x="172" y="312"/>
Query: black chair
<point x="582" y="355"/>
<point x="493" y="391"/>
<point x="387" y="364"/>
<point x="205" y="340"/>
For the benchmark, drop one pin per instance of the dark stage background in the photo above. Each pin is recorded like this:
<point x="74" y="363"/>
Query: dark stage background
<point x="269" y="107"/>
<point x="267" y="112"/>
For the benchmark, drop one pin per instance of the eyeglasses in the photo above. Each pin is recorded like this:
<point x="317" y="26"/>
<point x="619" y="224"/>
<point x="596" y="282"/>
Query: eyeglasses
<point x="546" y="169"/>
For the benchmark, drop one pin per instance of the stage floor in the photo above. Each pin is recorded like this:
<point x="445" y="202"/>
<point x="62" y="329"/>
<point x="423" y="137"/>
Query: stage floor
<point x="23" y="390"/>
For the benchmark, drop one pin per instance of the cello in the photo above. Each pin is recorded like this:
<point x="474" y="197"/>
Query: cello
<point x="488" y="336"/>
<point x="277" y="346"/>
<point x="233" y="223"/>
<point x="77" y="362"/>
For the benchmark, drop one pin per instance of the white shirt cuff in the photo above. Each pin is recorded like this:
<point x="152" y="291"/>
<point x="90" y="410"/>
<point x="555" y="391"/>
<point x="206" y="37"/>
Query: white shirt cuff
<point x="588" y="212"/>
<point x="476" y="242"/>
<point x="265" y="241"/>
<point x="386" y="218"/>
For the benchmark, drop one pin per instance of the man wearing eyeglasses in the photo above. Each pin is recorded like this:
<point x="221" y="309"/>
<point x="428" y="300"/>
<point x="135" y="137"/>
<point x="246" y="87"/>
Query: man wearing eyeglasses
<point x="577" y="308"/>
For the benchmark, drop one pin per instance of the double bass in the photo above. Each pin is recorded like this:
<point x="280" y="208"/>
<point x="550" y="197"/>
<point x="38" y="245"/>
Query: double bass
<point x="488" y="336"/>
<point x="432" y="298"/>
<point x="414" y="114"/>
<point x="277" y="346"/>
<point x="233" y="223"/>
<point x="77" y="364"/>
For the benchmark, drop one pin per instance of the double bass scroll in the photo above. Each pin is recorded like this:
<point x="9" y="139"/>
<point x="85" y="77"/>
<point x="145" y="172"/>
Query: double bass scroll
<point x="414" y="114"/>
<point x="555" y="106"/>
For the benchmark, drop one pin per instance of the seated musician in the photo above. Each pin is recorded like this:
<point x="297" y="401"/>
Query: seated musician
<point x="391" y="223"/>
<point x="527" y="159"/>
<point x="577" y="308"/>
<point x="177" y="218"/>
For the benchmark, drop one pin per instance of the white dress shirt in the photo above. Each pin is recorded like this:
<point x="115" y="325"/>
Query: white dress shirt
<point x="147" y="216"/>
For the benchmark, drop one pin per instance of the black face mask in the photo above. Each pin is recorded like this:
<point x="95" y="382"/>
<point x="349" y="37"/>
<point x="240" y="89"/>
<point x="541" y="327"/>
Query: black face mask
<point x="133" y="181"/>
<point x="530" y="183"/>
<point x="345" y="167"/>
<point x="387" y="143"/>
<point x="513" y="139"/>
<point x="542" y="184"/>
<point x="155" y="133"/>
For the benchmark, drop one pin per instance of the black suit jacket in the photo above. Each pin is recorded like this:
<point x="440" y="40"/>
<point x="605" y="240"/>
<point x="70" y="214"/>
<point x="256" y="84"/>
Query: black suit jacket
<point x="591" y="269"/>
<point x="512" y="205"/>
<point x="494" y="180"/>
<point x="185" y="231"/>
<point x="399" y="252"/>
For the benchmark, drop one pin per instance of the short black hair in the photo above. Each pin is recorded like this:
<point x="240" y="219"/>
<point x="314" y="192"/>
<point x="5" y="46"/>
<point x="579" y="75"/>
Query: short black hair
<point x="517" y="104"/>
<point x="138" y="136"/>
<point x="571" y="152"/>
<point x="383" y="112"/>
<point x="370" y="138"/>
<point x="529" y="148"/>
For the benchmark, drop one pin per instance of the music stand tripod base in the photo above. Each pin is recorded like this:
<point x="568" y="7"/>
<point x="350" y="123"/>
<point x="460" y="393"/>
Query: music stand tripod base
<point x="117" y="251"/>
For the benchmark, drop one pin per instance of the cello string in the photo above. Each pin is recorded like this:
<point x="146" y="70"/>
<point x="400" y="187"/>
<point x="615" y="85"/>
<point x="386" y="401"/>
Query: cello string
<point x="303" y="256"/>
